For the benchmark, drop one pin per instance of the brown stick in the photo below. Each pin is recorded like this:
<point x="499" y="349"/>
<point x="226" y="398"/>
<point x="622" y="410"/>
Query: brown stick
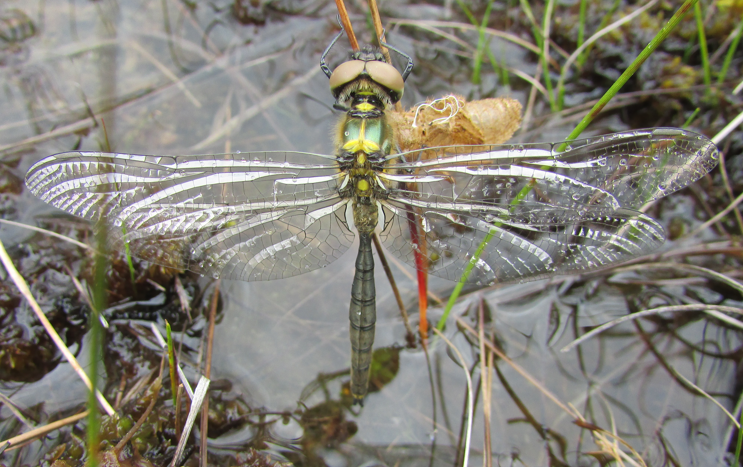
<point x="346" y="21"/>
<point x="395" y="291"/>
<point x="35" y="433"/>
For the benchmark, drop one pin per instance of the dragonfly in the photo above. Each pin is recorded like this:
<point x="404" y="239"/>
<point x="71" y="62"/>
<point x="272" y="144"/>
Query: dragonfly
<point x="484" y="214"/>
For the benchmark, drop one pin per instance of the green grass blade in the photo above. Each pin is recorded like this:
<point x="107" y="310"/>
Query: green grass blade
<point x="545" y="55"/>
<point x="691" y="118"/>
<point x="526" y="8"/>
<point x="731" y="52"/>
<point x="582" y="23"/>
<point x="482" y="43"/>
<point x="129" y="262"/>
<point x="703" y="47"/>
<point x="171" y="363"/>
<point x="499" y="68"/>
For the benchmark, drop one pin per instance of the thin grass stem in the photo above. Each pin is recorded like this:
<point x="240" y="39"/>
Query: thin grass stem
<point x="171" y="363"/>
<point x="485" y="380"/>
<point x="207" y="372"/>
<point x="731" y="53"/>
<point x="718" y="217"/>
<point x="654" y="311"/>
<point x="691" y="118"/>
<point x="728" y="186"/>
<point x="470" y="411"/>
<point x="48" y="232"/>
<point x="582" y="22"/>
<point x="729" y="128"/>
<point x="703" y="47"/>
<point x="545" y="53"/>
<point x="391" y="279"/>
<point x="468" y="27"/>
<point x="26" y="292"/>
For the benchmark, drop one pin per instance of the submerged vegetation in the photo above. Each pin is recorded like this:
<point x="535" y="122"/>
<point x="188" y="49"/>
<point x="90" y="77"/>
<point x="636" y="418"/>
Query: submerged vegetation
<point x="188" y="77"/>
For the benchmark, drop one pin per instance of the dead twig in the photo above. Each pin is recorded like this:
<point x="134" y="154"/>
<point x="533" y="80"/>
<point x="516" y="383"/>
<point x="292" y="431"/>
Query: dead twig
<point x="395" y="291"/>
<point x="346" y="21"/>
<point x="16" y="441"/>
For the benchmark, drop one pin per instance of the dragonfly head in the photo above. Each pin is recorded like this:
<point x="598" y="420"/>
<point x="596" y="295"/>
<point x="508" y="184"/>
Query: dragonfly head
<point x="366" y="73"/>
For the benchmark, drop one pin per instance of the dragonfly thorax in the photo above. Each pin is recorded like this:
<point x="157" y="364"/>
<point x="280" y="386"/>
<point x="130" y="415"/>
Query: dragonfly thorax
<point x="364" y="129"/>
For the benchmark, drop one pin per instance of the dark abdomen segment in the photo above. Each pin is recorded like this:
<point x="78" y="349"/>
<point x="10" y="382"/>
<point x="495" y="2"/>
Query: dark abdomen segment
<point x="363" y="316"/>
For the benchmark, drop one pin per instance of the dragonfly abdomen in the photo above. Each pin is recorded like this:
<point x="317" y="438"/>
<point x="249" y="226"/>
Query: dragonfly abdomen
<point x="363" y="316"/>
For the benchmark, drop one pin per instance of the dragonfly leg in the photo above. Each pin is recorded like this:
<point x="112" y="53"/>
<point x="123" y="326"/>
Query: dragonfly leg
<point x="363" y="316"/>
<point x="408" y="67"/>
<point x="324" y="66"/>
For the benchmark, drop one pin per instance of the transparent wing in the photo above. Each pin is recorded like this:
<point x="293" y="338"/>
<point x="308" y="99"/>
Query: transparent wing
<point x="547" y="211"/>
<point x="248" y="216"/>
<point x="513" y="252"/>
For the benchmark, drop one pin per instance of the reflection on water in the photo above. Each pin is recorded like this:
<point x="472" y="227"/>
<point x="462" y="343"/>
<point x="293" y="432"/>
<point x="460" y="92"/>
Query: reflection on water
<point x="195" y="80"/>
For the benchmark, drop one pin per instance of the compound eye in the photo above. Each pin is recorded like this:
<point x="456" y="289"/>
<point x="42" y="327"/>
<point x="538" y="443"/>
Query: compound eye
<point x="345" y="73"/>
<point x="386" y="75"/>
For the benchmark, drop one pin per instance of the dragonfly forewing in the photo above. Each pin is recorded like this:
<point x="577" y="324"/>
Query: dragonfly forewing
<point x="249" y="216"/>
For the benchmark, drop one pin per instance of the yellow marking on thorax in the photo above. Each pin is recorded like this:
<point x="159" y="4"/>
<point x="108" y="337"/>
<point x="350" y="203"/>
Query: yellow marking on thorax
<point x="362" y="185"/>
<point x="361" y="144"/>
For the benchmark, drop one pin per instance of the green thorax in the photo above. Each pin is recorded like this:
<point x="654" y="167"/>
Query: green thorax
<point x="365" y="129"/>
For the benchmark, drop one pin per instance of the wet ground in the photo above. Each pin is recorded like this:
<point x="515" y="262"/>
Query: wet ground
<point x="176" y="77"/>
